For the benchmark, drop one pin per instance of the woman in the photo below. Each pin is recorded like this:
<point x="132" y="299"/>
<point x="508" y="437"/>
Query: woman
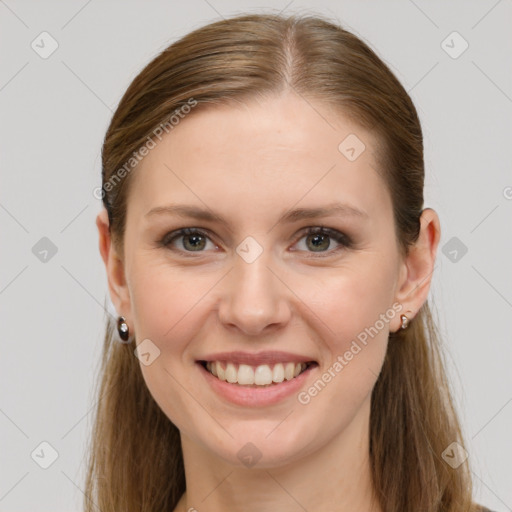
<point x="270" y="259"/>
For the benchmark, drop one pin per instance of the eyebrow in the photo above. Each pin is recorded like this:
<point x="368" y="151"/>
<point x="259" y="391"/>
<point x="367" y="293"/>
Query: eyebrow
<point x="295" y="215"/>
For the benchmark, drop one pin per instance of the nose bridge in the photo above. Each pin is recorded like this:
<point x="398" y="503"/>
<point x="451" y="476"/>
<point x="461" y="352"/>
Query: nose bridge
<point x="254" y="298"/>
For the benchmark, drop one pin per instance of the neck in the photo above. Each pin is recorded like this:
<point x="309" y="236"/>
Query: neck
<point x="336" y="477"/>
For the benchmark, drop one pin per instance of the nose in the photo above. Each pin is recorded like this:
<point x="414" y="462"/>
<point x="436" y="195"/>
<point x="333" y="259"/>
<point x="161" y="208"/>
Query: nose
<point x="255" y="300"/>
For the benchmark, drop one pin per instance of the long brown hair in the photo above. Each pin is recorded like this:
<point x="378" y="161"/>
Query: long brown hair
<point x="135" y="460"/>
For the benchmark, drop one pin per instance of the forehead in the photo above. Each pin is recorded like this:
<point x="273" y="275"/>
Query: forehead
<point x="261" y="155"/>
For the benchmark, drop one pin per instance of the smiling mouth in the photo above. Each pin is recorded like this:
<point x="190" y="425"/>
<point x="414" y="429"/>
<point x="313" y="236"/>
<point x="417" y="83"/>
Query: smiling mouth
<point x="260" y="376"/>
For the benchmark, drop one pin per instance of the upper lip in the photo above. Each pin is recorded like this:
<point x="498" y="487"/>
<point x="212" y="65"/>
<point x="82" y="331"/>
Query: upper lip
<point x="266" y="357"/>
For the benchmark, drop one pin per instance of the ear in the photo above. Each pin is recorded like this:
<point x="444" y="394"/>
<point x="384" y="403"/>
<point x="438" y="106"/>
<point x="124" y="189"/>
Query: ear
<point x="417" y="268"/>
<point x="114" y="266"/>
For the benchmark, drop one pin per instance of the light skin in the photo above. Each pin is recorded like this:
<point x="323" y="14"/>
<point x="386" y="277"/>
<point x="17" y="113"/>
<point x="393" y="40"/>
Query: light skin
<point x="250" y="164"/>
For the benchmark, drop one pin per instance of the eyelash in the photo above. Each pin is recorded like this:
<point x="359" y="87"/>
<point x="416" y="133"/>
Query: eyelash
<point x="341" y="238"/>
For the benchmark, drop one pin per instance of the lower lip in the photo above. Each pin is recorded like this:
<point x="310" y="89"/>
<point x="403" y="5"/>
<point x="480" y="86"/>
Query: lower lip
<point x="256" y="397"/>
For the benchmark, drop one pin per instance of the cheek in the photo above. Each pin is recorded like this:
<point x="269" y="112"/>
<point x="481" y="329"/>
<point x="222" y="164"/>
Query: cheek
<point x="356" y="310"/>
<point x="161" y="300"/>
<point x="165" y="308"/>
<point x="354" y="305"/>
<point x="357" y="313"/>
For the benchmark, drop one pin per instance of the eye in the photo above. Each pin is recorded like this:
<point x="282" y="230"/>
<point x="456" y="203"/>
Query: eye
<point x="319" y="239"/>
<point x="193" y="240"/>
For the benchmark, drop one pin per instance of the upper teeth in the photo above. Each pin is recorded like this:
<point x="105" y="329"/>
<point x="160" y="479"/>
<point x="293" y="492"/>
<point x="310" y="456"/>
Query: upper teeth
<point x="262" y="375"/>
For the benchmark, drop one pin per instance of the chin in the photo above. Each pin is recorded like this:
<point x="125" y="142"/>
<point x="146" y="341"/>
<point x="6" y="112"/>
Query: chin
<point x="263" y="447"/>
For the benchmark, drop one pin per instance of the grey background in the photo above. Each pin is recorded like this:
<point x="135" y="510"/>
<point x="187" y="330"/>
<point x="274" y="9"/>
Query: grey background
<point x="54" y="113"/>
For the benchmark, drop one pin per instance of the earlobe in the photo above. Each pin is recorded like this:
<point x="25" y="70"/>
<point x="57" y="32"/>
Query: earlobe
<point x="418" y="267"/>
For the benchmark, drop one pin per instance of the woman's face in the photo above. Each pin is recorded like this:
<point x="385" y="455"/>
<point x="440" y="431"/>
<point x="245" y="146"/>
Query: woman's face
<point x="257" y="281"/>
